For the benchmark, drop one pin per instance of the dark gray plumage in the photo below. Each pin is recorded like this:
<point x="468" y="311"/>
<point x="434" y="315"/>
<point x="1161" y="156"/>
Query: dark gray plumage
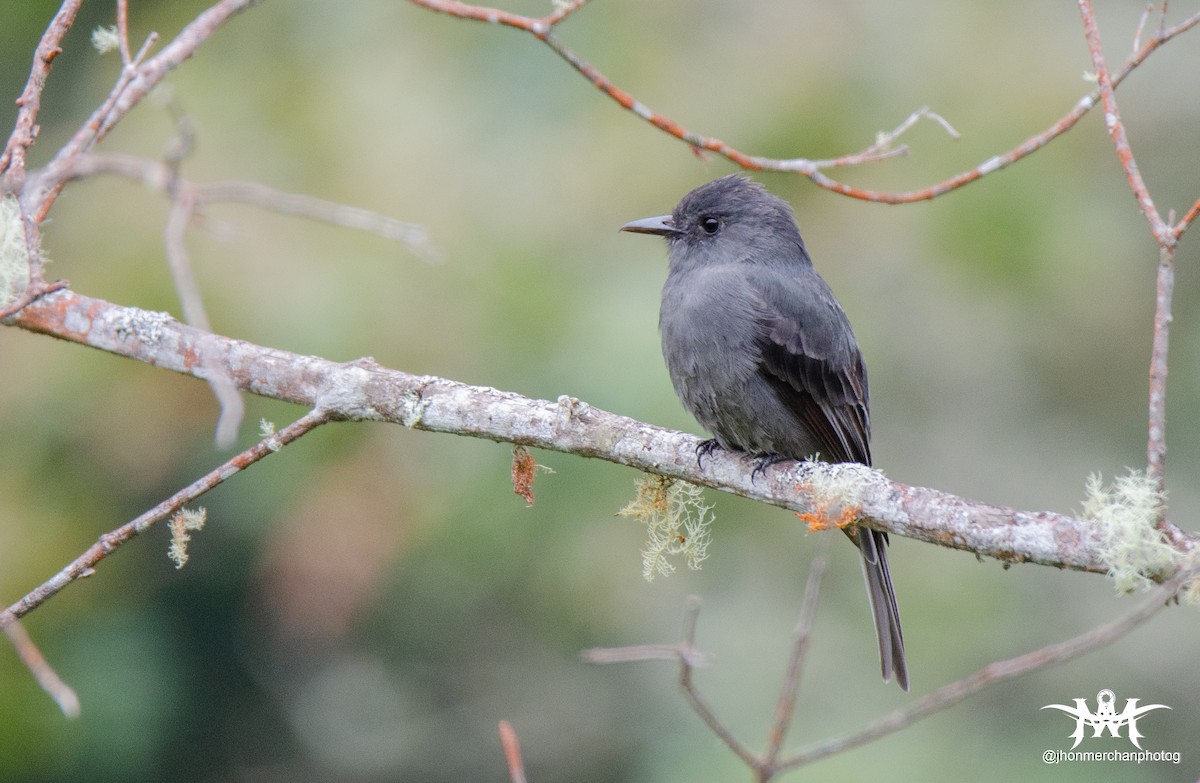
<point x="761" y="353"/>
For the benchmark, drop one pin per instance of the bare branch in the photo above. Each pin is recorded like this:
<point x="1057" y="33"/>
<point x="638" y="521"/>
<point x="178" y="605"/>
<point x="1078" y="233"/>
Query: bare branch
<point x="157" y="175"/>
<point x="413" y="236"/>
<point x="180" y="214"/>
<point x="1165" y="235"/>
<point x="364" y="390"/>
<point x="229" y="400"/>
<point x="35" y="289"/>
<point x="133" y="85"/>
<point x="543" y="29"/>
<point x="64" y="695"/>
<point x="1116" y="128"/>
<point x="183" y="206"/>
<point x="512" y="752"/>
<point x="1188" y="218"/>
<point x="85" y="564"/>
<point x="771" y="764"/>
<point x="996" y="672"/>
<point x="12" y="161"/>
<point x="123" y="31"/>
<point x="639" y="653"/>
<point x="1156" y="438"/>
<point x="785" y="709"/>
<point x="1137" y="36"/>
<point x="697" y="702"/>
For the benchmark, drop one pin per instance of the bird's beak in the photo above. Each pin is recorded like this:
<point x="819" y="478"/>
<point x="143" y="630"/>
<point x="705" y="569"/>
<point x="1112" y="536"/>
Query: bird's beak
<point x="662" y="226"/>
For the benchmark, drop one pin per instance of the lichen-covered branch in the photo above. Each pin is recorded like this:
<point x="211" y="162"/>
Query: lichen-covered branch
<point x="364" y="390"/>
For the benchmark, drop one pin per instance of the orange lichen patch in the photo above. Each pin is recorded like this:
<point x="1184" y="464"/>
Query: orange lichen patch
<point x="523" y="468"/>
<point x="826" y="513"/>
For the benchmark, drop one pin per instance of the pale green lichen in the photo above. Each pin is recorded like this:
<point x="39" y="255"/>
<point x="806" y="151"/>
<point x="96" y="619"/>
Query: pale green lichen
<point x="677" y="523"/>
<point x="183" y="524"/>
<point x="1126" y="513"/>
<point x="267" y="430"/>
<point x="14" y="253"/>
<point x="105" y="39"/>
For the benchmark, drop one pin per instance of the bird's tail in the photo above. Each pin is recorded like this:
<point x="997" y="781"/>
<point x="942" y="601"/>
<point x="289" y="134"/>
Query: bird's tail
<point x="872" y="545"/>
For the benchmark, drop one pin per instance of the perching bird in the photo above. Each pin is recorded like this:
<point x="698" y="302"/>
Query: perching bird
<point x="761" y="353"/>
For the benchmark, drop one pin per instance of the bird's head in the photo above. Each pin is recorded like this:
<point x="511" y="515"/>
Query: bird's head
<point x="729" y="220"/>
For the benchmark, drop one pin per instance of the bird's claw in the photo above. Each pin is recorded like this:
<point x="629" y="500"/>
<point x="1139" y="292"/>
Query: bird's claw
<point x="704" y="449"/>
<point x="765" y="461"/>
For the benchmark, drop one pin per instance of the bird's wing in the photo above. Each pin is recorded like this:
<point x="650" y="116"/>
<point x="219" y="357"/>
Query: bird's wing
<point x="807" y="346"/>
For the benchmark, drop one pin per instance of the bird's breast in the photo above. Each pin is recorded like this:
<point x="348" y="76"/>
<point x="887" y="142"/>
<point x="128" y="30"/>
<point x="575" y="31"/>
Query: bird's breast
<point x="711" y="324"/>
<point x="711" y="332"/>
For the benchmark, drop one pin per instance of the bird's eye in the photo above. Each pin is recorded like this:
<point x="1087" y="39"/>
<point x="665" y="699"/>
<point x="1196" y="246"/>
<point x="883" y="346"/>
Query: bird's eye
<point x="710" y="224"/>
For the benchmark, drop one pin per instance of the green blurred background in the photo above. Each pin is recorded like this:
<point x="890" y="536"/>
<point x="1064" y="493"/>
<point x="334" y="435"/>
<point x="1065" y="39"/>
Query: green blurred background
<point x="368" y="604"/>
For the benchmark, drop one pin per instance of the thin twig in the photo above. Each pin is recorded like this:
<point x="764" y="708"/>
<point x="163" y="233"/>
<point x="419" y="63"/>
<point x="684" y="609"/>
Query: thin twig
<point x="183" y="205"/>
<point x="512" y="752"/>
<point x="1165" y="235"/>
<point x="415" y="237"/>
<point x="32" y="292"/>
<point x="785" y="709"/>
<point x="689" y="658"/>
<point x="639" y="653"/>
<point x="123" y="32"/>
<point x="133" y="85"/>
<point x="1156" y="438"/>
<point x="156" y="175"/>
<point x="1137" y="34"/>
<point x="542" y="28"/>
<point x="46" y="189"/>
<point x="946" y="696"/>
<point x="229" y="400"/>
<point x="1116" y="128"/>
<point x="563" y="9"/>
<point x="85" y="564"/>
<point x="12" y="161"/>
<point x="695" y="700"/>
<point x="64" y="695"/>
<point x="1188" y="218"/>
<point x="993" y="673"/>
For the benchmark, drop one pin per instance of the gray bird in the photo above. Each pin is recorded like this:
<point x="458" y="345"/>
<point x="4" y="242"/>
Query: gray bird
<point x="761" y="353"/>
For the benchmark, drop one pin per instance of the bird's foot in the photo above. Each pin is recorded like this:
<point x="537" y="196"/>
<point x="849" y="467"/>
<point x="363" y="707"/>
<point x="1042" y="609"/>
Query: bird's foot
<point x="765" y="461"/>
<point x="705" y="448"/>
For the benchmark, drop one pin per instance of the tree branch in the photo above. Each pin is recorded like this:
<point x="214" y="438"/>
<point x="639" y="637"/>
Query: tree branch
<point x="771" y="763"/>
<point x="512" y="752"/>
<point x="1116" y="128"/>
<point x="12" y="161"/>
<point x="158" y="176"/>
<point x="137" y="79"/>
<point x="996" y="672"/>
<point x="64" y="695"/>
<point x="367" y="391"/>
<point x="1165" y="235"/>
<point x="85" y="564"/>
<point x="785" y="708"/>
<point x="542" y="28"/>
